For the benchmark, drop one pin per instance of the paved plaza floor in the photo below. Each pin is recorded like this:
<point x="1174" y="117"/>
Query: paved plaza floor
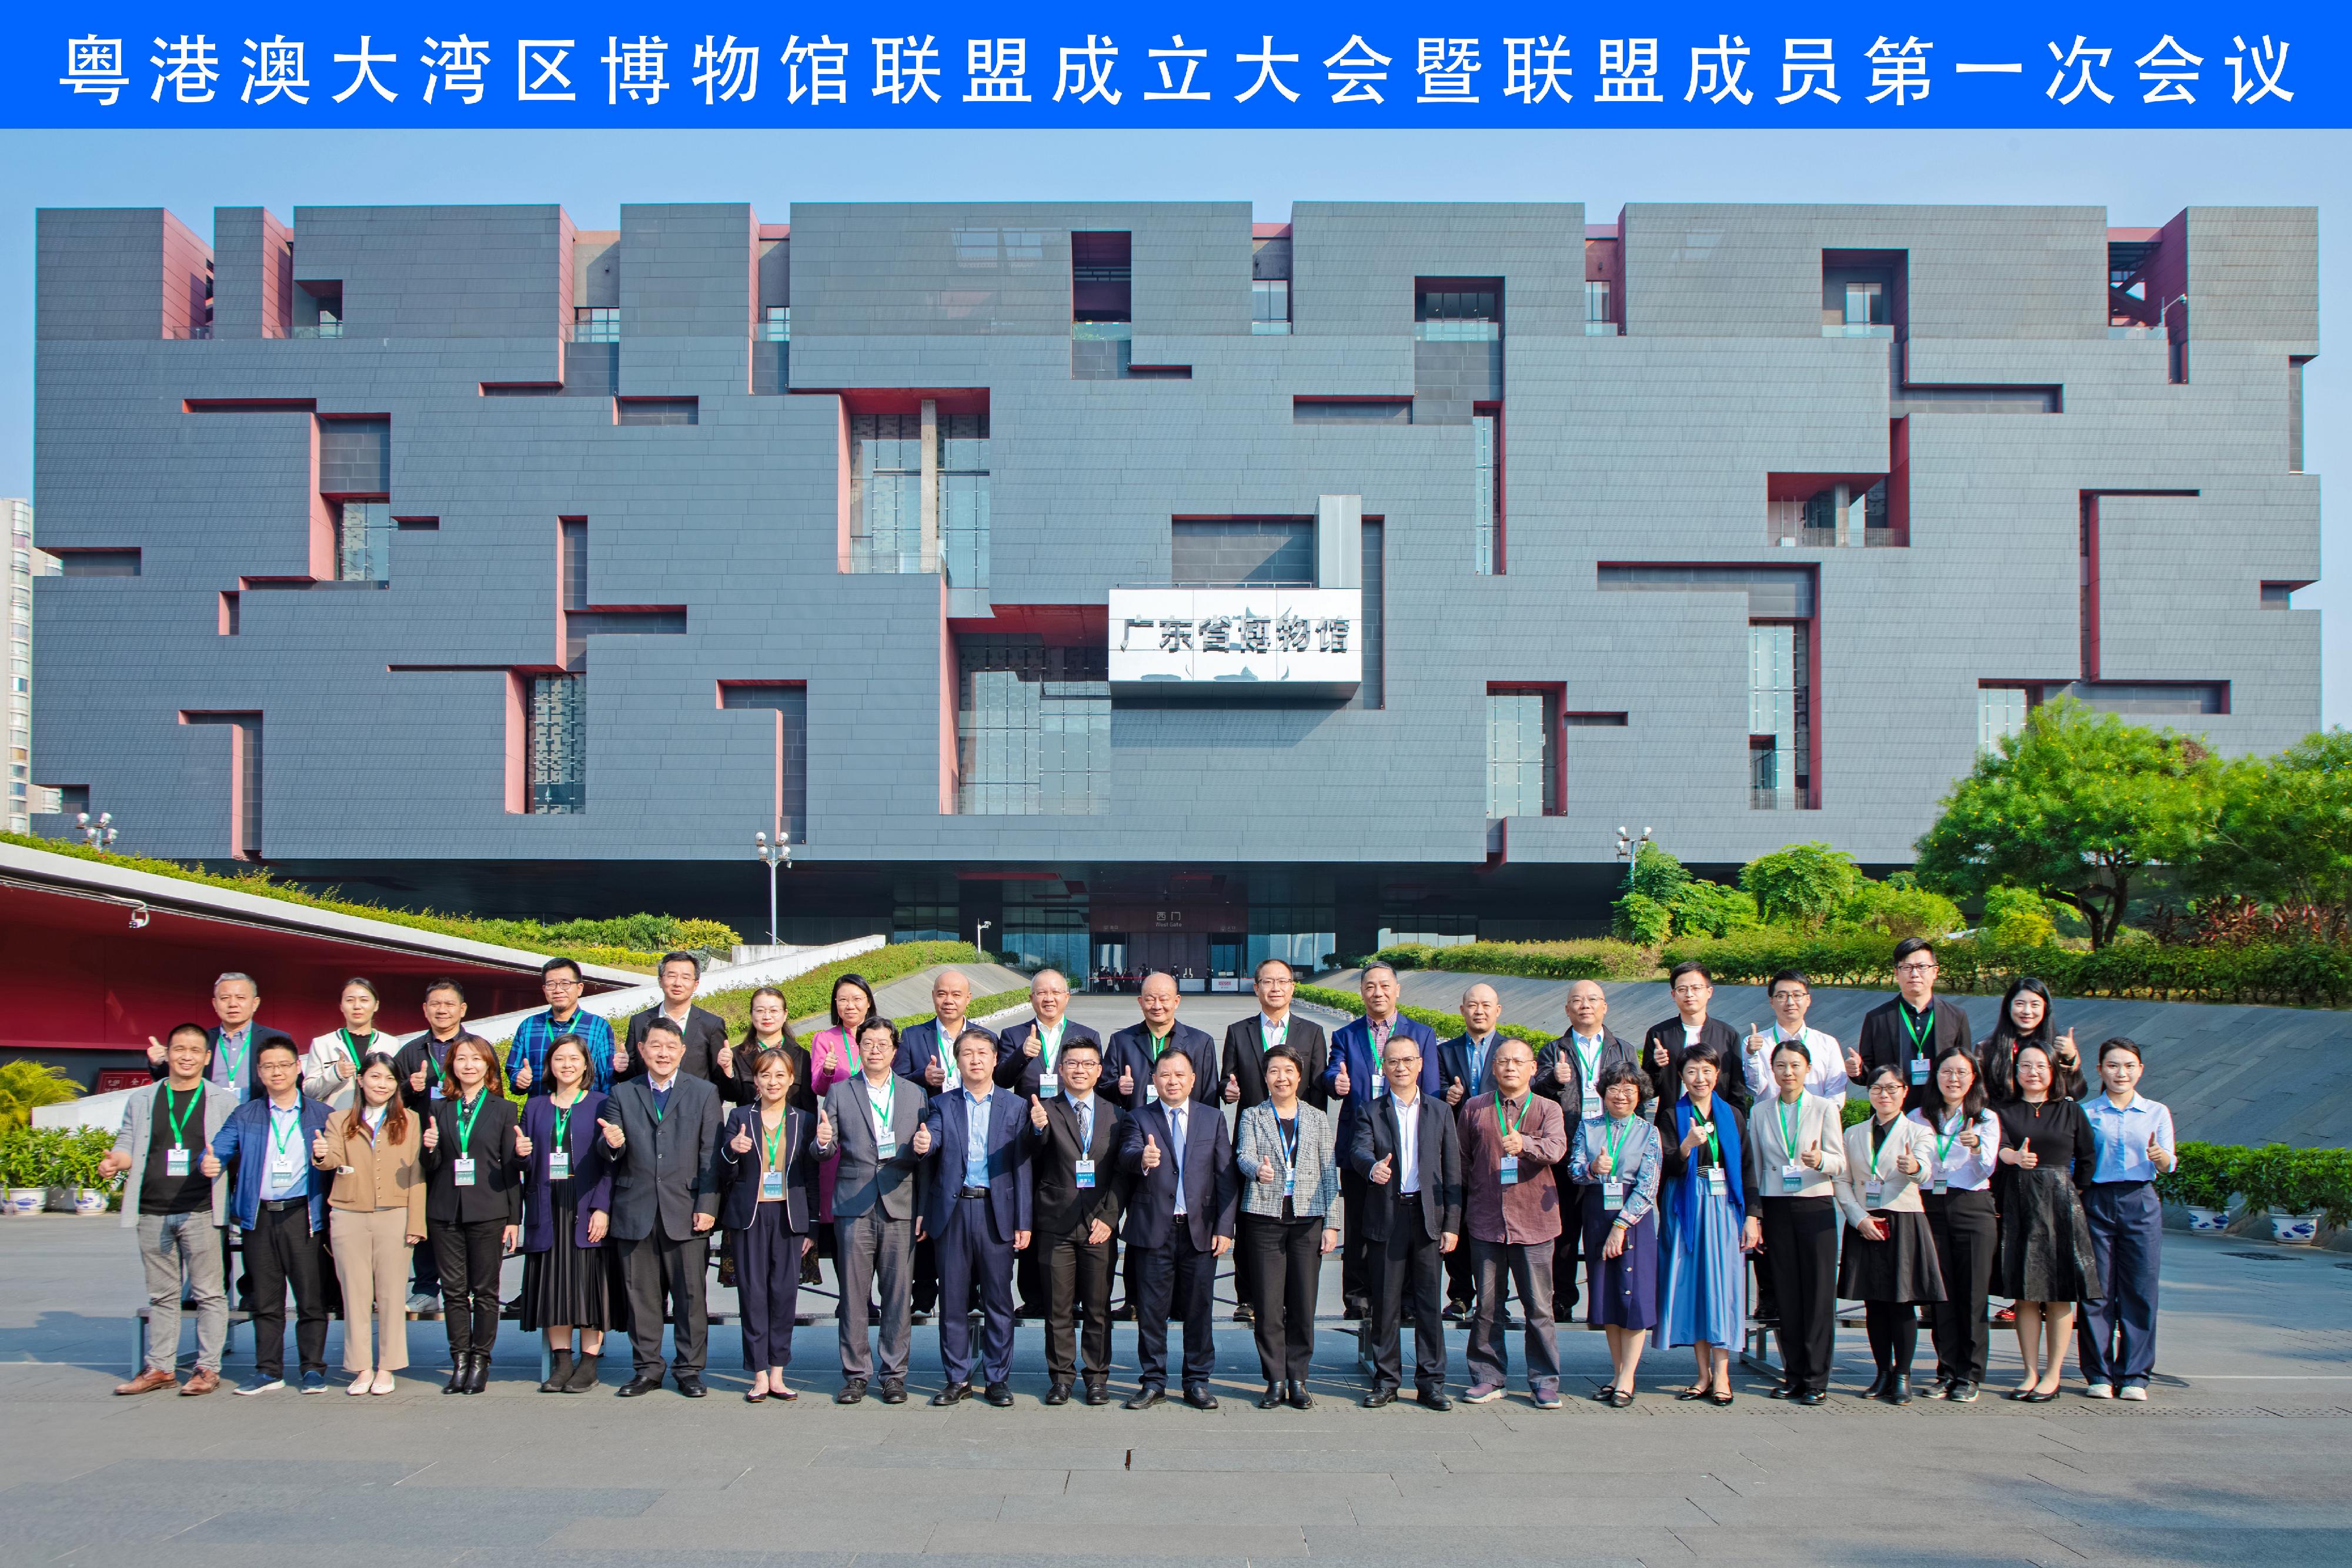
<point x="2243" y="1455"/>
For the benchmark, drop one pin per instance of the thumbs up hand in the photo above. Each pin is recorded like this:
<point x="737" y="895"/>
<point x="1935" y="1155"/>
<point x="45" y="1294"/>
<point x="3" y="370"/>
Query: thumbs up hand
<point x="1694" y="1138"/>
<point x="922" y="1143"/>
<point x="1454" y="1095"/>
<point x="210" y="1165"/>
<point x="523" y="1145"/>
<point x="1127" y="1079"/>
<point x="741" y="1142"/>
<point x="416" y="1079"/>
<point x="727" y="1060"/>
<point x="1340" y="1083"/>
<point x="522" y="1073"/>
<point x="1032" y="1046"/>
<point x="432" y="1133"/>
<point x="1379" y="1176"/>
<point x="825" y="1129"/>
<point x="1658" y="1054"/>
<point x="620" y="1059"/>
<point x="934" y="1074"/>
<point x="319" y="1147"/>
<point x="1269" y="1171"/>
<point x="1036" y="1113"/>
<point x="1907" y="1163"/>
<point x="1853" y="1064"/>
<point x="1602" y="1164"/>
<point x="1813" y="1155"/>
<point x="1513" y="1144"/>
<point x="155" y="1051"/>
<point x="1150" y="1153"/>
<point x="614" y="1137"/>
<point x="1232" y="1089"/>
<point x="1564" y="1070"/>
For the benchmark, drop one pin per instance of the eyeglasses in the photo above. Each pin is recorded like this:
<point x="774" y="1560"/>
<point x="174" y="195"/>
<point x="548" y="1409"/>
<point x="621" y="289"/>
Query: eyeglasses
<point x="1921" y="968"/>
<point x="1691" y="990"/>
<point x="559" y="986"/>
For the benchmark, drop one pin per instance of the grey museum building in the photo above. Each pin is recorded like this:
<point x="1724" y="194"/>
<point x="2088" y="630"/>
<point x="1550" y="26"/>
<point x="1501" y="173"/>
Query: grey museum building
<point x="1158" y="587"/>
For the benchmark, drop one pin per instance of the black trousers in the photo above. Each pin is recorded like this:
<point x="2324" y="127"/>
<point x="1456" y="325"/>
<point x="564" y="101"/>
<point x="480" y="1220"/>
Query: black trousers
<point x="1179" y="1280"/>
<point x="1077" y="1279"/>
<point x="469" y="1252"/>
<point x="768" y="1285"/>
<point x="924" y="1274"/>
<point x="1283" y="1262"/>
<point x="650" y="1267"/>
<point x="1968" y="1236"/>
<point x="1800" y="1237"/>
<point x="1565" y="1253"/>
<point x="1355" y="1251"/>
<point x="1408" y="1266"/>
<point x="1893" y="1334"/>
<point x="281" y="1253"/>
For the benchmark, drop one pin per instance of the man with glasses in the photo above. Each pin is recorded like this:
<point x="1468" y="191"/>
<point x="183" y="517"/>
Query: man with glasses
<point x="1791" y="996"/>
<point x="1357" y="1080"/>
<point x="560" y="983"/>
<point x="1910" y="1032"/>
<point x="1131" y="1060"/>
<point x="1029" y="1063"/>
<point x="1664" y="1046"/>
<point x="927" y="1060"/>
<point x="1248" y="1041"/>
<point x="1569" y="1072"/>
<point x="709" y="1056"/>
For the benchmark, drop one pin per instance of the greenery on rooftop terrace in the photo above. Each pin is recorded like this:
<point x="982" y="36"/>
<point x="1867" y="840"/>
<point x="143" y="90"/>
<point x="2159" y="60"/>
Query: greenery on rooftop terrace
<point x="627" y="942"/>
<point x="808" y="998"/>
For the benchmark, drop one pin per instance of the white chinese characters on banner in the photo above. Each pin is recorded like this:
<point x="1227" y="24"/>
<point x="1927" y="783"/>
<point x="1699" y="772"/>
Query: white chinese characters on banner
<point x="1297" y="642"/>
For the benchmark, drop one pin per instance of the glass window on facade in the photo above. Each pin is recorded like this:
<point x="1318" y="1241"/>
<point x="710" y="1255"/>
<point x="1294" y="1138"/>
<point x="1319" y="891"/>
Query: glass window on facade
<point x="1519" y="755"/>
<point x="1270" y="307"/>
<point x="963" y="498"/>
<point x="363" y="542"/>
<point x="557" y="745"/>
<point x="595" y="324"/>
<point x="1482" y="462"/>
<point x="1866" y="304"/>
<point x="1599" y="321"/>
<point x="1032" y="727"/>
<point x="1776" y="704"/>
<point x="775" y="324"/>
<point x="1044" y="923"/>
<point x="886" y="507"/>
<point x="2001" y="713"/>
<point x="1457" y="315"/>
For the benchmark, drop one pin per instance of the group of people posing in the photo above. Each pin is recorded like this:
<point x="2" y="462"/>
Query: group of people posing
<point x="986" y="1178"/>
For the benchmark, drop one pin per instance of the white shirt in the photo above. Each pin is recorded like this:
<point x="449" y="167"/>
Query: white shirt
<point x="1826" y="1077"/>
<point x="1408" y="1162"/>
<point x="661" y="1085"/>
<point x="1271" y="1031"/>
<point x="1963" y="1169"/>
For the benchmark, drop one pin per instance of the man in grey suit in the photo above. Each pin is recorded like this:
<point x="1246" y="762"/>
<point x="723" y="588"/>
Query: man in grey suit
<point x="874" y="1119"/>
<point x="661" y="1136"/>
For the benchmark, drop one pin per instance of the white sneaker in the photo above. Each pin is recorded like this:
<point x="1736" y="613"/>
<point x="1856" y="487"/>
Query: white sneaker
<point x="2097" y="1391"/>
<point x="261" y="1385"/>
<point x="2134" y="1392"/>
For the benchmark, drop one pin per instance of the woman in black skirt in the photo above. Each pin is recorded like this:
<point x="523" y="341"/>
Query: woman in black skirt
<point x="1889" y="1263"/>
<point x="570" y="1278"/>
<point x="2047" y="1155"/>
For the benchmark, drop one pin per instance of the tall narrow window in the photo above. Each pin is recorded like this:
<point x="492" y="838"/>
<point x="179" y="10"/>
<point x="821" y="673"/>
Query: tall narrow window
<point x="2001" y="713"/>
<point x="963" y="498"/>
<point x="1519" y="760"/>
<point x="776" y="324"/>
<point x="1270" y="307"/>
<point x="1777" y="707"/>
<point x="1033" y="728"/>
<point x="886" y="500"/>
<point x="1483" y="511"/>
<point x="1599" y="321"/>
<point x="363" y="542"/>
<point x="1866" y="304"/>
<point x="557" y="747"/>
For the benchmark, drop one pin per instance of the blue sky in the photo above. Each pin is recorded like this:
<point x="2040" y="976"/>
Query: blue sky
<point x="2142" y="178"/>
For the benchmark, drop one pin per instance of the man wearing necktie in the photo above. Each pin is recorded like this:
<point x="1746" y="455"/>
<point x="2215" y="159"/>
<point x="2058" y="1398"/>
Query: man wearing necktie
<point x="1179" y="1221"/>
<point x="1465" y="1065"/>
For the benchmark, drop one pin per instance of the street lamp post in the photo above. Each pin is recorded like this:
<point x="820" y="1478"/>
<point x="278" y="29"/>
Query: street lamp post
<point x="1628" y="849"/>
<point x="979" y="934"/>
<point x="774" y="857"/>
<point x="97" y="833"/>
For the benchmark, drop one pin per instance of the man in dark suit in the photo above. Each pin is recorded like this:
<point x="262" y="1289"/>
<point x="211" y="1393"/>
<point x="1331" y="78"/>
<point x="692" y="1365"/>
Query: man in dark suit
<point x="1248" y="1039"/>
<point x="1128" y="1063"/>
<point x="1354" y="1080"/>
<point x="1910" y="1032"/>
<point x="1073" y="1139"/>
<point x="1569" y="1070"/>
<point x="1029" y="1065"/>
<point x="927" y="1060"/>
<point x="1466" y="1066"/>
<point x="234" y="1047"/>
<point x="1404" y="1149"/>
<point x="1668" y="1039"/>
<point x="708" y="1055"/>
<point x="978" y="1205"/>
<point x="661" y="1137"/>
<point x="875" y="1122"/>
<point x="1179" y="1218"/>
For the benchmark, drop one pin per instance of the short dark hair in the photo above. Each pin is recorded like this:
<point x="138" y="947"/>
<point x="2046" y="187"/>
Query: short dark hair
<point x="554" y="964"/>
<point x="2121" y="1042"/>
<point x="1092" y="1047"/>
<point x="587" y="1061"/>
<point x="888" y="1027"/>
<point x="1377" y="964"/>
<point x="1286" y="1050"/>
<point x="1622" y="1072"/>
<point x="1884" y="1070"/>
<point x="445" y="984"/>
<point x="278" y="1042"/>
<point x="776" y="1053"/>
<point x="1689" y="966"/>
<point x="670" y="958"/>
<point x="1259" y="973"/>
<point x="1772" y="987"/>
<point x="663" y="1022"/>
<point x="199" y="1030"/>
<point x="1910" y="945"/>
<point x="1796" y="1047"/>
<point x="971" y="1032"/>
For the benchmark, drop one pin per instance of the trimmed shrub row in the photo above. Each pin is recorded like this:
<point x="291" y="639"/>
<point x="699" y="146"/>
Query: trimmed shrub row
<point x="1447" y="1025"/>
<point x="809" y="997"/>
<point x="2292" y="1180"/>
<point x="1602" y="959"/>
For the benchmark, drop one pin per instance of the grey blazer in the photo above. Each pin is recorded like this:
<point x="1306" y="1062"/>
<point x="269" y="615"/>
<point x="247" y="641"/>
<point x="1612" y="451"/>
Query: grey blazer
<point x="665" y="1171"/>
<point x="1258" y="1141"/>
<point x="861" y="1181"/>
<point x="138" y="1123"/>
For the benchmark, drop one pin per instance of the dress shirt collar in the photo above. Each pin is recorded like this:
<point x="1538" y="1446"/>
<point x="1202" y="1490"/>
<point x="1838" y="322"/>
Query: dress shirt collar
<point x="975" y="1102"/>
<point x="661" y="1085"/>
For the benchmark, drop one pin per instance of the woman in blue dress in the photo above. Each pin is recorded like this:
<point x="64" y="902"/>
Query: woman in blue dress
<point x="1703" y="1197"/>
<point x="1615" y="1165"/>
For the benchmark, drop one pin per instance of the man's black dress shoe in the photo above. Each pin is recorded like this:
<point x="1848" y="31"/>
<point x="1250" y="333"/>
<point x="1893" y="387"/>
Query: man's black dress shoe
<point x="953" y="1393"/>
<point x="692" y="1387"/>
<point x="1434" y="1398"/>
<point x="1145" y="1397"/>
<point x="1098" y="1392"/>
<point x="999" y="1395"/>
<point x="1200" y="1398"/>
<point x="636" y="1386"/>
<point x="1380" y="1397"/>
<point x="1058" y="1393"/>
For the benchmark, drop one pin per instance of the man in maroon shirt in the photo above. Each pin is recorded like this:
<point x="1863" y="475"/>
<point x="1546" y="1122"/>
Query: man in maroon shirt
<point x="1511" y="1138"/>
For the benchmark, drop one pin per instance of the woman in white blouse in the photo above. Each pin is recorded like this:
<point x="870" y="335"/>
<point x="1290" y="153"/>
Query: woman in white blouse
<point x="333" y="1063"/>
<point x="1800" y="1150"/>
<point x="1889" y="1261"/>
<point x="1965" y="1138"/>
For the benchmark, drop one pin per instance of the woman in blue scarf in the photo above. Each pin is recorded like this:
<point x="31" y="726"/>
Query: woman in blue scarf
<point x="1702" y="1199"/>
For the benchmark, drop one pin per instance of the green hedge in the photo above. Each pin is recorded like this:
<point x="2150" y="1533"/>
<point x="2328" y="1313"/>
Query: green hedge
<point x="2276" y="974"/>
<point x="1447" y="1025"/>
<point x="2276" y="1175"/>
<point x="1602" y="959"/>
<point x="809" y="997"/>
<point x="55" y="1156"/>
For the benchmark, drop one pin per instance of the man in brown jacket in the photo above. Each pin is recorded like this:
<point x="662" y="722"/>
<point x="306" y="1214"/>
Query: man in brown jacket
<point x="1511" y="1207"/>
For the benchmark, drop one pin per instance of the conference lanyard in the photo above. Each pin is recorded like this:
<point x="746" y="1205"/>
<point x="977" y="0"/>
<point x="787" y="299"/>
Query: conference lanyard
<point x="1050" y="1046"/>
<point x="280" y="1142"/>
<point x="1943" y="1140"/>
<point x="1714" y="1145"/>
<point x="947" y="1053"/>
<point x="1268" y="1039"/>
<point x="1377" y="1037"/>
<point x="1789" y="1120"/>
<point x="354" y="1049"/>
<point x="1615" y="1140"/>
<point x="883" y="1103"/>
<point x="465" y="1120"/>
<point x="1158" y="1044"/>
<point x="563" y="1126"/>
<point x="1923" y="1034"/>
<point x="178" y="1115"/>
<point x="1516" y="1122"/>
<point x="1588" y="1065"/>
<point x="236" y="1063"/>
<point x="775" y="1140"/>
<point x="1285" y="1140"/>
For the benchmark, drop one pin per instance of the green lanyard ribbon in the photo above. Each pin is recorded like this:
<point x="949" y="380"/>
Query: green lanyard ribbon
<point x="1714" y="1143"/>
<point x="563" y="1123"/>
<point x="1788" y="1127"/>
<point x="281" y="1143"/>
<point x="1943" y="1140"/>
<point x="354" y="1049"/>
<point x="1515" y="1122"/>
<point x="775" y="1139"/>
<point x="465" y="1120"/>
<point x="1158" y="1044"/>
<point x="1923" y="1034"/>
<point x="1615" y="1142"/>
<point x="178" y="1116"/>
<point x="883" y="1106"/>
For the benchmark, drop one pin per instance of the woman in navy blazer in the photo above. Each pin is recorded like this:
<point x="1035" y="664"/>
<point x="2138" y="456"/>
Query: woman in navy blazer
<point x="766" y="1163"/>
<point x="570" y="1278"/>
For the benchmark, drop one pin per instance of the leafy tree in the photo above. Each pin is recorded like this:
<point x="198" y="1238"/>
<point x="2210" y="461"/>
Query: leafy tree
<point x="2016" y="918"/>
<point x="1642" y="919"/>
<point x="2286" y="827"/>
<point x="26" y="1086"/>
<point x="1900" y="907"/>
<point x="1711" y="909"/>
<point x="1802" y="884"/>
<point x="2077" y="808"/>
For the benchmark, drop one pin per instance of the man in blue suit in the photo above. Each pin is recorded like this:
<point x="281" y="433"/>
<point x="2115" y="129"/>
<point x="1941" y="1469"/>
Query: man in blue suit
<point x="1179" y="1221"/>
<point x="927" y="1060"/>
<point x="978" y="1208"/>
<point x="1353" y="1080"/>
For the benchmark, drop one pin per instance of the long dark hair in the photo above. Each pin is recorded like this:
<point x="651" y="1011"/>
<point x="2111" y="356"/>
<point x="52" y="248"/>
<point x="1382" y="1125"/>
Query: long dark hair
<point x="2005" y="1038"/>
<point x="1972" y="1103"/>
<point x="750" y="1040"/>
<point x="873" y="1008"/>
<point x="395" y="1115"/>
<point x="2065" y="1083"/>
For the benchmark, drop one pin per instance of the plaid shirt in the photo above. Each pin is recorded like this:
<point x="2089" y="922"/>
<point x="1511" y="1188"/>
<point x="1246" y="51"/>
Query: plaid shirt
<point x="530" y="1043"/>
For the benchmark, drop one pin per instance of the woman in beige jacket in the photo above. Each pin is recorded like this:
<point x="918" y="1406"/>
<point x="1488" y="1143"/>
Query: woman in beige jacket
<point x="376" y="1214"/>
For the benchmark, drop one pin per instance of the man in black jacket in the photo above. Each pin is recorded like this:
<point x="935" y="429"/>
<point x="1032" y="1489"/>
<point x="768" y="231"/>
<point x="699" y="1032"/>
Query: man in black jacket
<point x="1569" y="1070"/>
<point x="1073" y="1139"/>
<point x="234" y="1043"/>
<point x="1409" y="1156"/>
<point x="661" y="1134"/>
<point x="1910" y="1032"/>
<point x="708" y="1055"/>
<point x="1662" y="1047"/>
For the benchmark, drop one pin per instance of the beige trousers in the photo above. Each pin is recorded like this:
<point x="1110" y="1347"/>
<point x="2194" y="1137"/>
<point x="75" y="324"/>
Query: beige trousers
<point x="371" y="1260"/>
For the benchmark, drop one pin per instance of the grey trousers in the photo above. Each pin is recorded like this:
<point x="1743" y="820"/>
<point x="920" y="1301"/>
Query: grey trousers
<point x="872" y="1249"/>
<point x="172" y="1247"/>
<point x="1530" y="1272"/>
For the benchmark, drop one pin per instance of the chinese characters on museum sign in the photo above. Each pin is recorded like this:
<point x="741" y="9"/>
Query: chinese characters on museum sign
<point x="1231" y="642"/>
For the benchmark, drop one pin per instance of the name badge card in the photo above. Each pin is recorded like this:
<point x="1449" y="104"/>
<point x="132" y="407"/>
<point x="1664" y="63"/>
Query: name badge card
<point x="1086" y="1173"/>
<point x="462" y="1168"/>
<point x="1715" y="1181"/>
<point x="1591" y="1107"/>
<point x="771" y="1184"/>
<point x="175" y="1162"/>
<point x="1289" y="1183"/>
<point x="282" y="1162"/>
<point x="1873" y="1189"/>
<point x="1919" y="1070"/>
<point x="1049" y="1084"/>
<point x="1792" y="1178"/>
<point x="559" y="1164"/>
<point x="885" y="1147"/>
<point x="1508" y="1170"/>
<point x="1940" y="1185"/>
<point x="1612" y="1195"/>
<point x="1380" y="1087"/>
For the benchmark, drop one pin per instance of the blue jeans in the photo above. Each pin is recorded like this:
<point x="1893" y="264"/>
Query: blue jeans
<point x="2116" y="1335"/>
